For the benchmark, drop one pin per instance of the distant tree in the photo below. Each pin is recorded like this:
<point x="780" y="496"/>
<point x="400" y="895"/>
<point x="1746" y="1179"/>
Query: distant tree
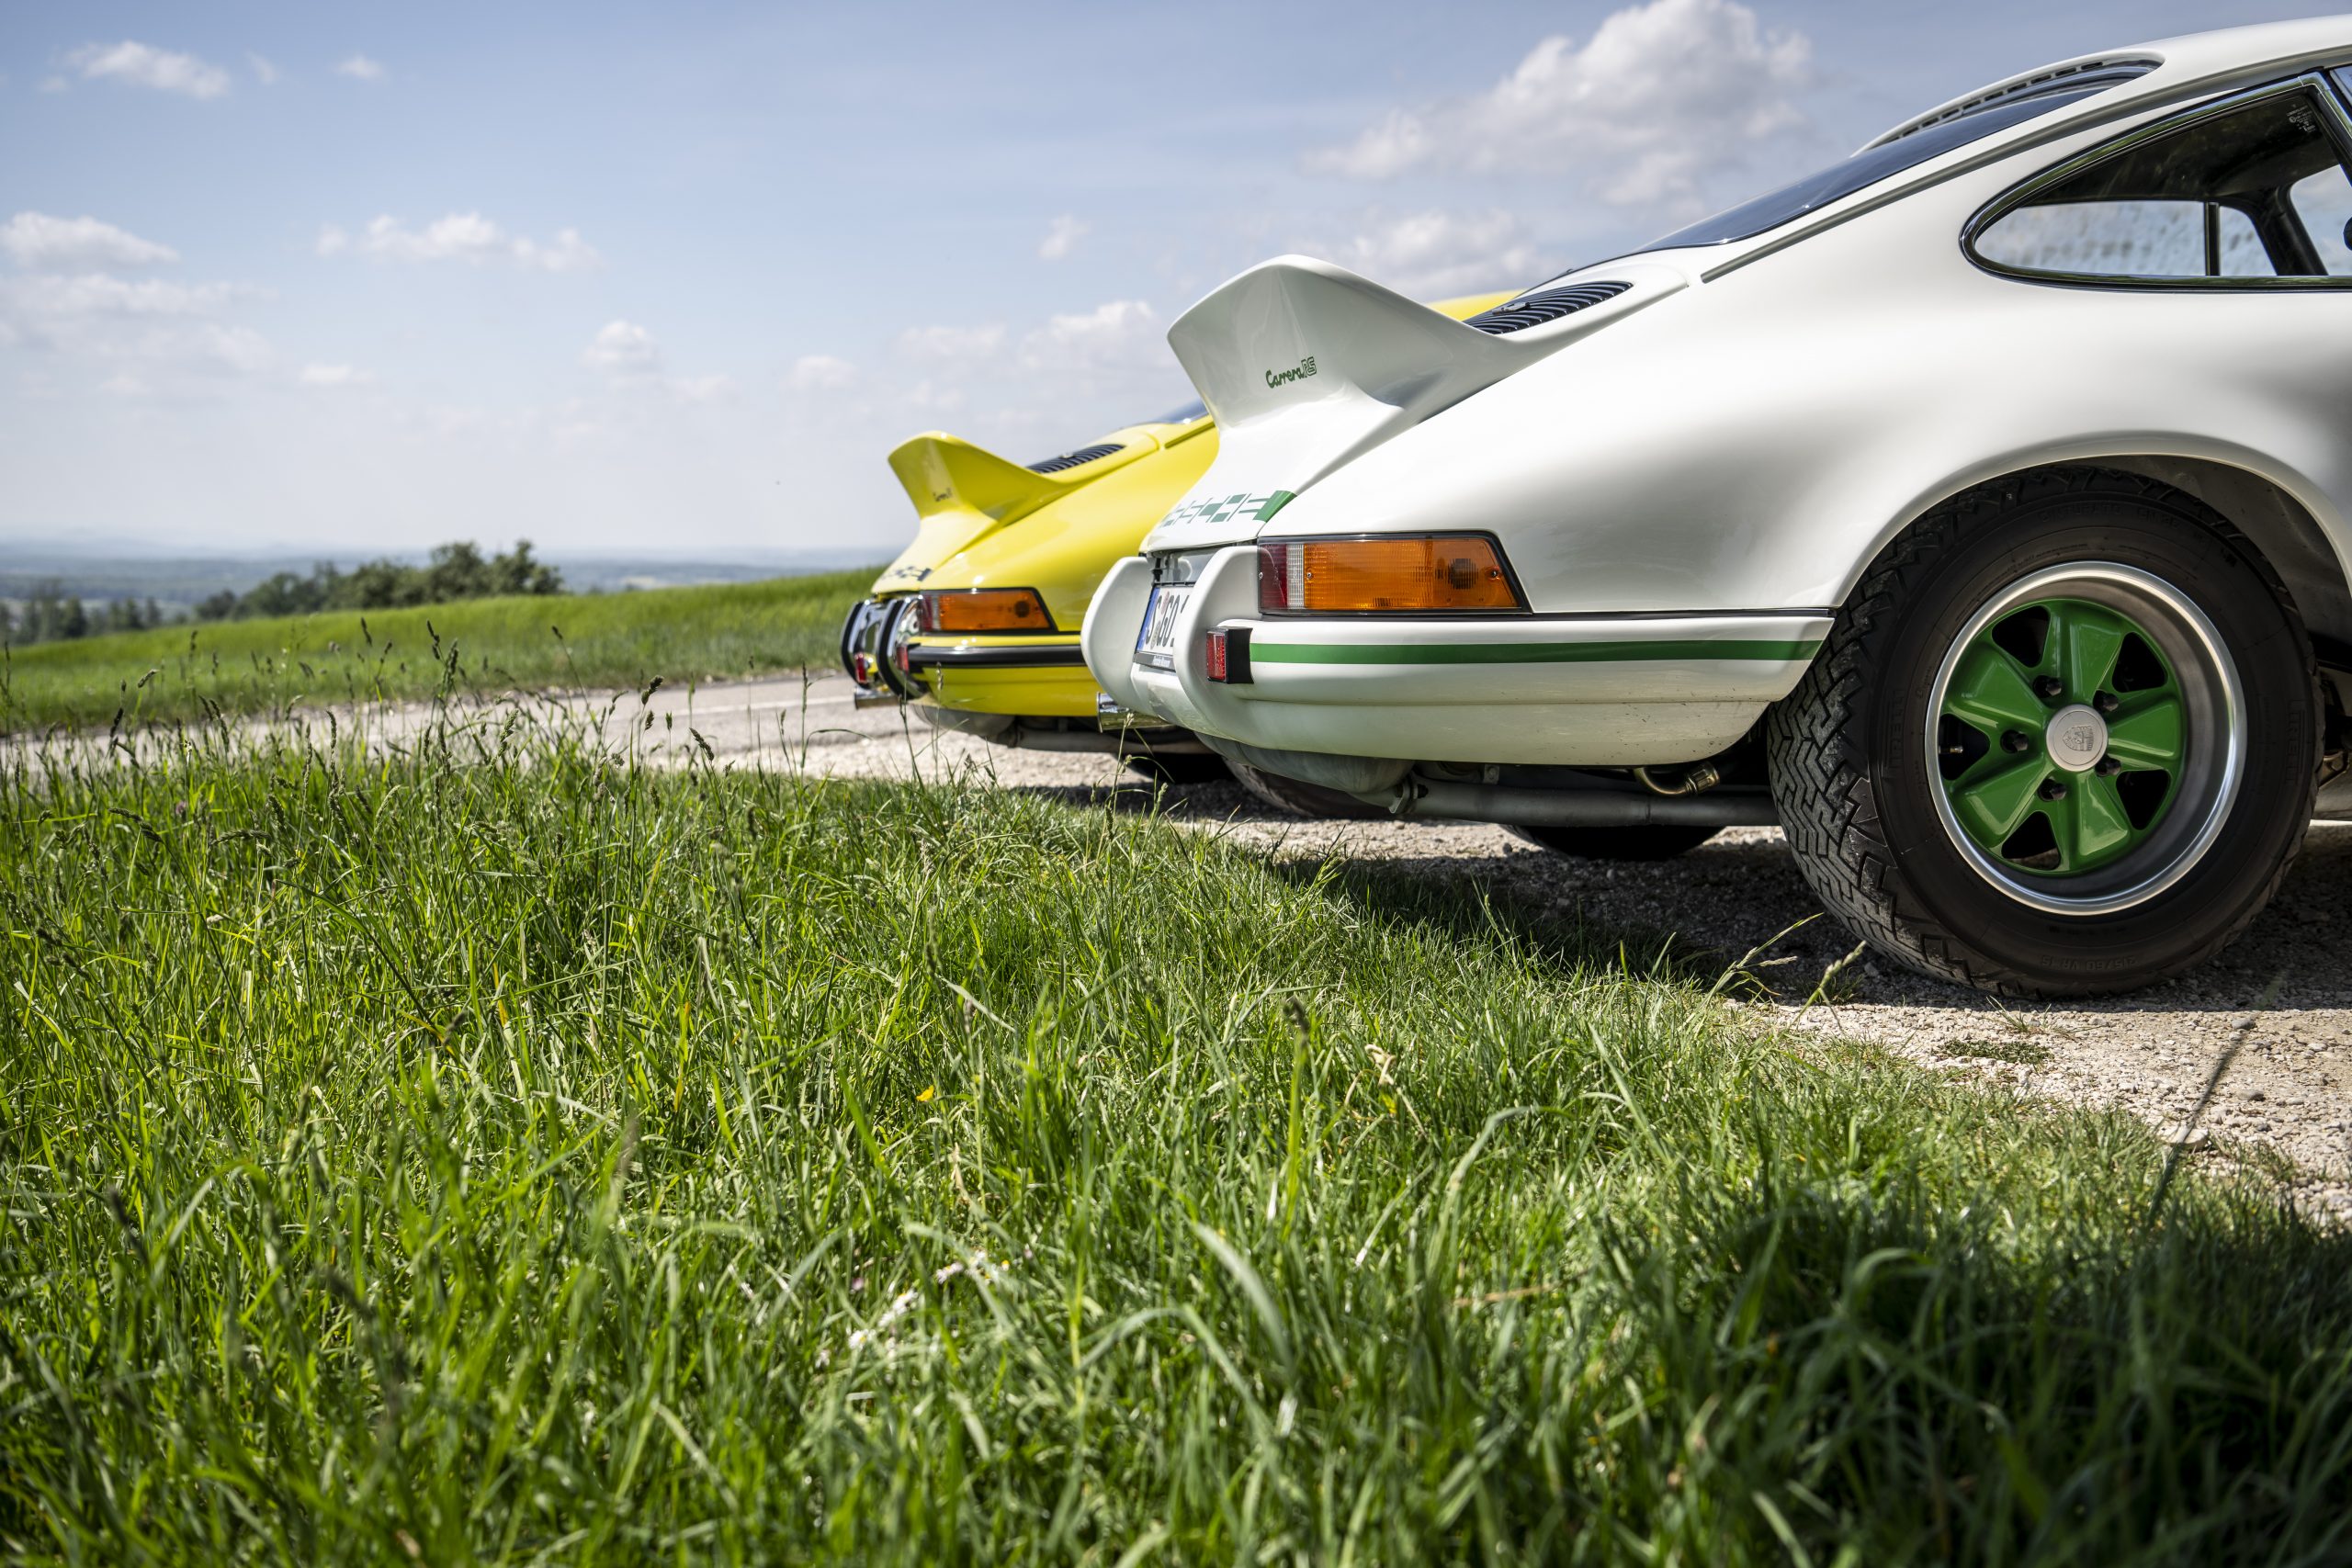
<point x="457" y="572"/>
<point x="154" y="612"/>
<point x="75" y="620"/>
<point x="8" y="624"/>
<point x="378" y="585"/>
<point x="517" y="572"/>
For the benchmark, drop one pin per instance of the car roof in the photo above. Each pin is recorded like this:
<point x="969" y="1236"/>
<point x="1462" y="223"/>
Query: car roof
<point x="2180" y="66"/>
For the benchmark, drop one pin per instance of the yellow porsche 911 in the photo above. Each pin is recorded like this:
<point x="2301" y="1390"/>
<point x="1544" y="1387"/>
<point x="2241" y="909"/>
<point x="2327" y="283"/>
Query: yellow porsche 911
<point x="975" y="624"/>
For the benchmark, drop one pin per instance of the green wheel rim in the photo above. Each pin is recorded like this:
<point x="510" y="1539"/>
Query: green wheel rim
<point x="2086" y="737"/>
<point x="2001" y="709"/>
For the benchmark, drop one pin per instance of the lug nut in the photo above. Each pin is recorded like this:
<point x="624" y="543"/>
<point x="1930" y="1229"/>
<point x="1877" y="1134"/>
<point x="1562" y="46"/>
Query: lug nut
<point x="2052" y="790"/>
<point x="2014" y="740"/>
<point x="2050" y="687"/>
<point x="2108" y="767"/>
<point x="2107" y="702"/>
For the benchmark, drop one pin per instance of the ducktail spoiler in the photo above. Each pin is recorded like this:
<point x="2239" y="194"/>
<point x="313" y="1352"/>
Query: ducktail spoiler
<point x="1307" y="366"/>
<point x="946" y="473"/>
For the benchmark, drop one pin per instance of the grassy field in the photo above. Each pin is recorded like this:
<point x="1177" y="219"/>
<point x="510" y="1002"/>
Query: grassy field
<point x="528" y="1161"/>
<point x="478" y="645"/>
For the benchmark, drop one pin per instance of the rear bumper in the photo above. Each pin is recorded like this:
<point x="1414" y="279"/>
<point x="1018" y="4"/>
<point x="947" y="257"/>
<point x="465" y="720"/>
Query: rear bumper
<point x="1025" y="677"/>
<point x="1034" y="678"/>
<point x="1590" y="691"/>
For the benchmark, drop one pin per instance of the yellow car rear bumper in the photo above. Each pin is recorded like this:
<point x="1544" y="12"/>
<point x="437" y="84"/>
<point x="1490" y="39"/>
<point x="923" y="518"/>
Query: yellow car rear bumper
<point x="1032" y="677"/>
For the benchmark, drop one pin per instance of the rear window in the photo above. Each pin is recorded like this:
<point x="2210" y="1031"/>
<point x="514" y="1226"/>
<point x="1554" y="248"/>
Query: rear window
<point x="1875" y="163"/>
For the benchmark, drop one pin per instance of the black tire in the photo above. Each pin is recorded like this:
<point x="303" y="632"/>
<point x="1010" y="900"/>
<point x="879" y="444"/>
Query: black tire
<point x="1303" y="799"/>
<point x="1179" y="767"/>
<point x="1863" y="798"/>
<point x="1656" y="841"/>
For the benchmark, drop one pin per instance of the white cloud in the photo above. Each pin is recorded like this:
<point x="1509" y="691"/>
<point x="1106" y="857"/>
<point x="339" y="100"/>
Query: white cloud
<point x="567" y="253"/>
<point x="264" y="72"/>
<point x="39" y="241"/>
<point x="145" y="66"/>
<point x="1433" y="254"/>
<point x="459" y="236"/>
<point x="210" y="345"/>
<point x="334" y="376"/>
<point x="1661" y="96"/>
<point x="55" y="84"/>
<point x="97" y="294"/>
<point x="359" y="68"/>
<point x="145" y="338"/>
<point x="820" y="373"/>
<point x="702" y="389"/>
<point x="951" y="343"/>
<point x="1062" y="238"/>
<point x="1120" y="332"/>
<point x="927" y="397"/>
<point x="625" y="349"/>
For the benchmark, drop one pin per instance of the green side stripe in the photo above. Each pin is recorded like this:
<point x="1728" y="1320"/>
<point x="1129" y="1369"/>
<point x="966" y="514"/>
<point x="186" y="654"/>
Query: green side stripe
<point x="1524" y="652"/>
<point x="1274" y="503"/>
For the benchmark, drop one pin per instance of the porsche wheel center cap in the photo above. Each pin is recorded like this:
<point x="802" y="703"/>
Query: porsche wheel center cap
<point x="2076" y="738"/>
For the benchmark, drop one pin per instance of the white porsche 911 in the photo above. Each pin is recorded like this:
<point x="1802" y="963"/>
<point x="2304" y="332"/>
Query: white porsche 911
<point x="1977" y="509"/>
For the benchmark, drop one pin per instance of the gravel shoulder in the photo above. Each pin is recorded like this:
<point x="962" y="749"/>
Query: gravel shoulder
<point x="2273" y="1014"/>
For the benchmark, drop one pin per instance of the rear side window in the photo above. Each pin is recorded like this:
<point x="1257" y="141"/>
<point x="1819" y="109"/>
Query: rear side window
<point x="2257" y="190"/>
<point x="1915" y="147"/>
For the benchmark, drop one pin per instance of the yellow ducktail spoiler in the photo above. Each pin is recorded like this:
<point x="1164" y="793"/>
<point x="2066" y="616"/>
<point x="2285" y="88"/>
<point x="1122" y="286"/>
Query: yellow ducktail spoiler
<point x="946" y="473"/>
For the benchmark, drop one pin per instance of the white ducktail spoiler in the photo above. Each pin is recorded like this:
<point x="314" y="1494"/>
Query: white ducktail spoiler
<point x="1308" y="366"/>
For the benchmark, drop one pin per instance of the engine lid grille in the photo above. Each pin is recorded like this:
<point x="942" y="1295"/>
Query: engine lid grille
<point x="1074" y="459"/>
<point x="1534" y="309"/>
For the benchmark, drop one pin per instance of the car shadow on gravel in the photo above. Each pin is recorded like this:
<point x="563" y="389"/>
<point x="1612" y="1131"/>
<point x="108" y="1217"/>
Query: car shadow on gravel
<point x="1742" y="891"/>
<point x="1713" y="908"/>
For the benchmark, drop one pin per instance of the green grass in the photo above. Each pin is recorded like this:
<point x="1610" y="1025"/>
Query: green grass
<point x="477" y="644"/>
<point x="520" y="1159"/>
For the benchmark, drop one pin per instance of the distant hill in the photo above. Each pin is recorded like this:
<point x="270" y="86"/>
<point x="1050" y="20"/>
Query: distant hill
<point x="177" y="582"/>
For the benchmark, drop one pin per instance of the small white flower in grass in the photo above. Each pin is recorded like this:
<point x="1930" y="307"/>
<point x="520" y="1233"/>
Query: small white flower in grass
<point x="978" y="1266"/>
<point x="901" y="1305"/>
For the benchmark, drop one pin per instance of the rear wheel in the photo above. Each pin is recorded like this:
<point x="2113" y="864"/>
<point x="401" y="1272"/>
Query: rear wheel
<point x="1657" y="841"/>
<point x="2061" y="740"/>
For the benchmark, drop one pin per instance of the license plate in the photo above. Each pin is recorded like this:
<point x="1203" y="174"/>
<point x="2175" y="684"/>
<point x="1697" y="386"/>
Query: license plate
<point x="1156" y="643"/>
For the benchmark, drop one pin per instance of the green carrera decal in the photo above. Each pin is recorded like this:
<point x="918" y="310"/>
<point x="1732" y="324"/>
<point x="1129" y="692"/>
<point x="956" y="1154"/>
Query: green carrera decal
<point x="1224" y="508"/>
<point x="1298" y="372"/>
<point x="1526" y="653"/>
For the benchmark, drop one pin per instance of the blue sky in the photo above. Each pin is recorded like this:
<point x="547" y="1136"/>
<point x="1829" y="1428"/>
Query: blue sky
<point x="672" y="279"/>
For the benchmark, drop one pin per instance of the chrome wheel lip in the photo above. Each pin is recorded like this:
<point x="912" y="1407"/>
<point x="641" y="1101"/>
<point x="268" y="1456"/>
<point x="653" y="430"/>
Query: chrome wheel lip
<point x="2202" y="639"/>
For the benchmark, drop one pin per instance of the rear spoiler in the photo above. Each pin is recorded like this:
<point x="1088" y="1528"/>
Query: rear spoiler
<point x="1307" y="366"/>
<point x="946" y="473"/>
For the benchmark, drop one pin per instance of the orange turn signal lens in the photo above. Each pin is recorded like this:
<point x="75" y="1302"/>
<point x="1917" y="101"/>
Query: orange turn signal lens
<point x="986" y="610"/>
<point x="1409" y="574"/>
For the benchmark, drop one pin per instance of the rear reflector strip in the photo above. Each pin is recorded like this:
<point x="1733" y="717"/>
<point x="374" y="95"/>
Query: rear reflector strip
<point x="1225" y="654"/>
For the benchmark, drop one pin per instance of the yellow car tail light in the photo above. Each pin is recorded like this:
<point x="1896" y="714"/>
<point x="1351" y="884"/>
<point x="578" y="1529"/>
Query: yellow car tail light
<point x="1406" y="574"/>
<point x="986" y="610"/>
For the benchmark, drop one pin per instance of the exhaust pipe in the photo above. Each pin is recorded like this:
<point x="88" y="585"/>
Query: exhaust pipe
<point x="1443" y="800"/>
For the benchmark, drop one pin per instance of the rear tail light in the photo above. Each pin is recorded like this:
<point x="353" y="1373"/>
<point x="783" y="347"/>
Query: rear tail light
<point x="1408" y="574"/>
<point x="985" y="610"/>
